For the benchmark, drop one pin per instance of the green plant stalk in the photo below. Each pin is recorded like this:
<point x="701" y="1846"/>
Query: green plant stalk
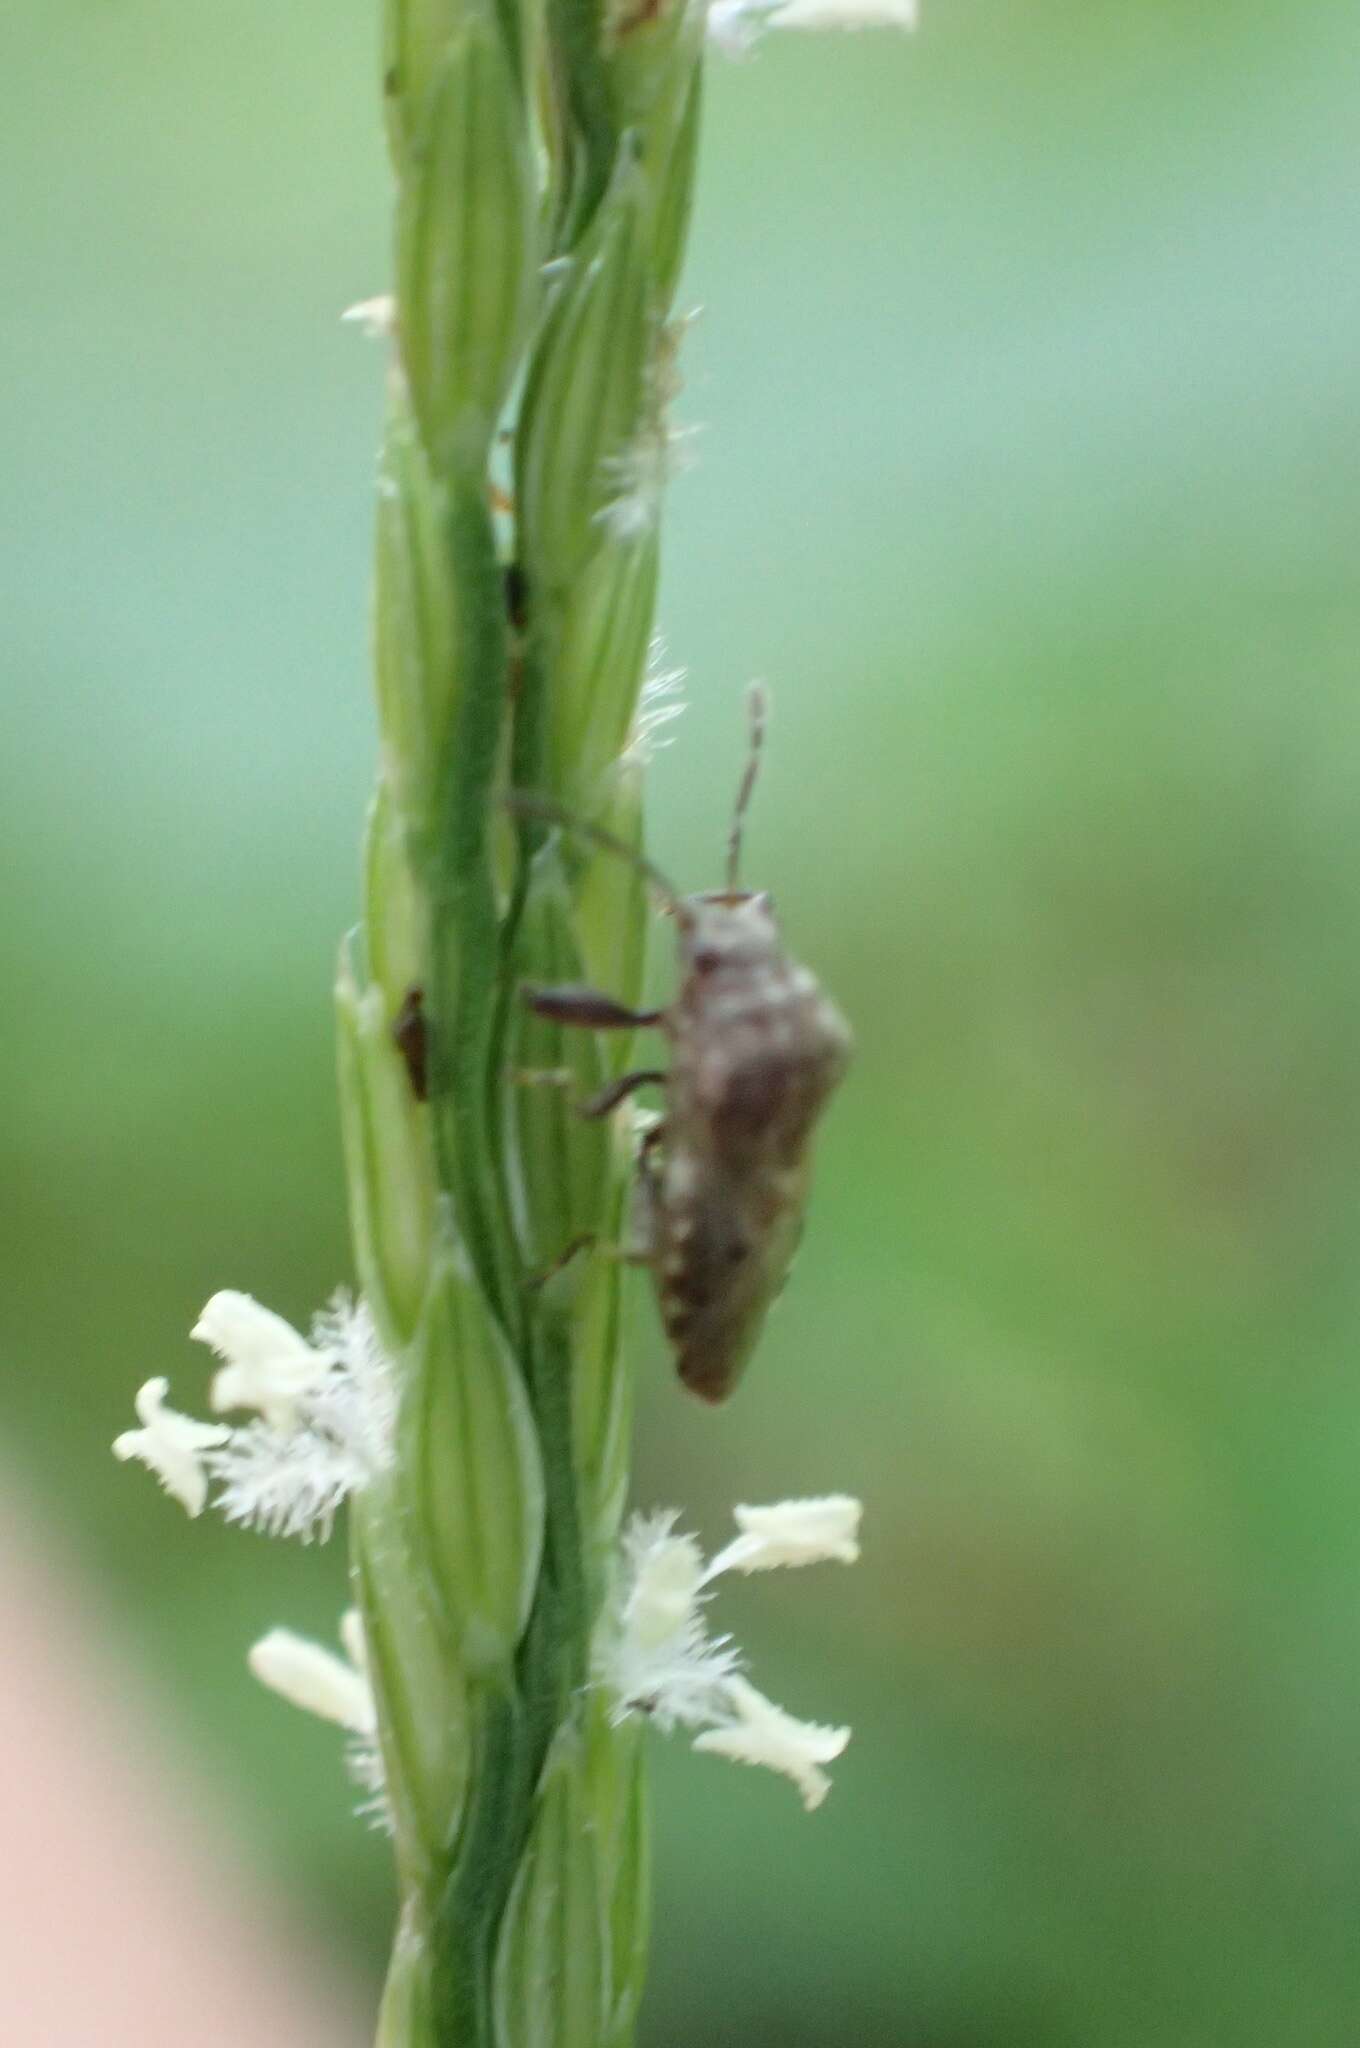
<point x="509" y="648"/>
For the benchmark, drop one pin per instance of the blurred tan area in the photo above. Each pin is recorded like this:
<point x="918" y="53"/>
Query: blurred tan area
<point x="1028" y="482"/>
<point x="129" y="1915"/>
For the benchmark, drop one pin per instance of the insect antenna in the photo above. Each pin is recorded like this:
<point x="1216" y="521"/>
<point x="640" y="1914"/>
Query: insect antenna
<point x="527" y="804"/>
<point x="757" y="705"/>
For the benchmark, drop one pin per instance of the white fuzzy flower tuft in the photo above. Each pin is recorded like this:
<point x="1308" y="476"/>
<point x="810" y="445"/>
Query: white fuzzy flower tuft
<point x="266" y="1364"/>
<point x="314" y="1679"/>
<point x="636" y="476"/>
<point x="337" y="1689"/>
<point x="655" y="1655"/>
<point x="734" y="25"/>
<point x="327" y="1414"/>
<point x="376" y="319"/>
<point x="791" y="1533"/>
<point x="846" y="14"/>
<point x="171" y="1445"/>
<point x="292" y="1481"/>
<point x="659" y="705"/>
<point x="759" y="1732"/>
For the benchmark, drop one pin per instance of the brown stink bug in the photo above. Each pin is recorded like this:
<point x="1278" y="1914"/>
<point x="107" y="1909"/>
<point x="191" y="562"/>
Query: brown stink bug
<point x="756" y="1049"/>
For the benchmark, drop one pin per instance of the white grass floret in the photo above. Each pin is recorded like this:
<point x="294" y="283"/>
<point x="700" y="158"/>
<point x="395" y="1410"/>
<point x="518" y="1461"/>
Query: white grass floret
<point x="266" y="1364"/>
<point x="171" y="1445"/>
<point x="293" y="1481"/>
<point x="636" y="478"/>
<point x="376" y="319"/>
<point x="817" y="15"/>
<point x="659" y="705"/>
<point x="792" y="1533"/>
<point x="656" y="1657"/>
<point x="759" y="1732"/>
<point x="336" y="1689"/>
<point x="325" y="1427"/>
<point x="734" y="25"/>
<point x="314" y="1679"/>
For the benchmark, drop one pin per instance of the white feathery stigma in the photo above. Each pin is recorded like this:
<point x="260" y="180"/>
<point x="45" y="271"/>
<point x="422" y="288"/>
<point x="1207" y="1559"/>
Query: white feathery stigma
<point x="171" y="1445"/>
<point x="659" y="704"/>
<point x="655" y="1656"/>
<point x="265" y="1363"/>
<point x="636" y="476"/>
<point x="314" y="1679"/>
<point x="758" y="1732"/>
<point x="324" y="1427"/>
<point x="336" y="1689"/>
<point x="293" y="1481"/>
<point x="376" y="319"/>
<point x="792" y="1533"/>
<point x="734" y="25"/>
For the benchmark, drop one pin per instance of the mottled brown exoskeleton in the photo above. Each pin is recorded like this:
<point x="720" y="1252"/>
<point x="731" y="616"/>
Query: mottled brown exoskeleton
<point x="756" y="1049"/>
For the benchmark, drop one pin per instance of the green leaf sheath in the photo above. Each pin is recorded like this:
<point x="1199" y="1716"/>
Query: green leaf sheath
<point x="509" y="649"/>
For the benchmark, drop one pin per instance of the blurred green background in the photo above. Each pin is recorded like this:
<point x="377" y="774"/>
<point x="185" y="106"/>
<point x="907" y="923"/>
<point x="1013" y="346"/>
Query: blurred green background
<point x="1028" y="478"/>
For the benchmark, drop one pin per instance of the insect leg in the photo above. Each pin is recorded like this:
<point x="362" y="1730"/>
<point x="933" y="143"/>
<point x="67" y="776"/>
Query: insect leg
<point x="573" y="1004"/>
<point x="585" y="1242"/>
<point x="614" y="1092"/>
<point x="643" y="1220"/>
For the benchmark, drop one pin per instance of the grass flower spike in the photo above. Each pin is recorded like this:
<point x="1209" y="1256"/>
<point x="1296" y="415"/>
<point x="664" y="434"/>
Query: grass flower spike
<point x="471" y="1411"/>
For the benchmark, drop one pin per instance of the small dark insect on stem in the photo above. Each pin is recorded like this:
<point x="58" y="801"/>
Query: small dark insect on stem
<point x="516" y="596"/>
<point x="410" y="1033"/>
<point x="515" y="592"/>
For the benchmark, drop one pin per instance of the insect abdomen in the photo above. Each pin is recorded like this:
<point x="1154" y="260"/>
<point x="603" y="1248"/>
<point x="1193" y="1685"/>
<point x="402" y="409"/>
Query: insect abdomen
<point x="722" y="1261"/>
